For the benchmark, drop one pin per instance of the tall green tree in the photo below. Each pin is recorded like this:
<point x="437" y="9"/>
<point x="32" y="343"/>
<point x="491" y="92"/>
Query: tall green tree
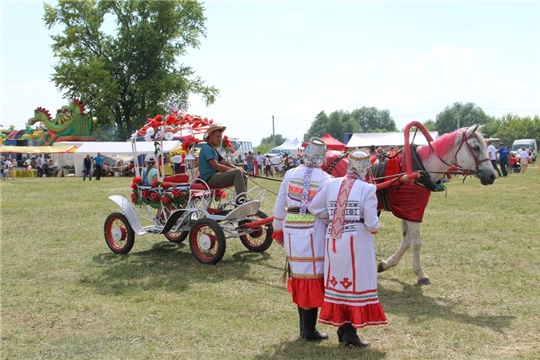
<point x="466" y="114"/>
<point x="513" y="127"/>
<point x="318" y="127"/>
<point x="371" y="119"/>
<point x="126" y="74"/>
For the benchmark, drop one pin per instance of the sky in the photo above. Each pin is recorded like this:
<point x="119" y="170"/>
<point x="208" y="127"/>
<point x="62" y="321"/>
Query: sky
<point x="278" y="64"/>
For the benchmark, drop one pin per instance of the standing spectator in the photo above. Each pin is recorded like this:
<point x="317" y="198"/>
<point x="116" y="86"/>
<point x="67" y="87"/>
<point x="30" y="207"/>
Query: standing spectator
<point x="523" y="159"/>
<point x="503" y="159"/>
<point x="492" y="155"/>
<point x="350" y="272"/>
<point x="268" y="166"/>
<point x="260" y="162"/>
<point x="87" y="168"/>
<point x="176" y="161"/>
<point x="3" y="169"/>
<point x="302" y="235"/>
<point x="39" y="166"/>
<point x="249" y="162"/>
<point x="98" y="166"/>
<point x="11" y="164"/>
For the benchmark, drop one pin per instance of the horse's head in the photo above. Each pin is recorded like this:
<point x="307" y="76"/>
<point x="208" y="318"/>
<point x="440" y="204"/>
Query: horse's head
<point x="336" y="163"/>
<point x="472" y="155"/>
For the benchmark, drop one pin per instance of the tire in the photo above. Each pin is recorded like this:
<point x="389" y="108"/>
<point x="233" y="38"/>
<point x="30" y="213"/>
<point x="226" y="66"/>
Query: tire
<point x="176" y="237"/>
<point x="207" y="241"/>
<point x="260" y="238"/>
<point x="119" y="235"/>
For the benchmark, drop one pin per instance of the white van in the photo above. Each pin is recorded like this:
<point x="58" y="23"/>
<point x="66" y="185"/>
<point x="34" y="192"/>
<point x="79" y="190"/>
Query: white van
<point x="525" y="143"/>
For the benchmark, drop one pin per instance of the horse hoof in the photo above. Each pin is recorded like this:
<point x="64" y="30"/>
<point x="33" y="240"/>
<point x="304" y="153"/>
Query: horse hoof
<point x="424" y="281"/>
<point x="380" y="267"/>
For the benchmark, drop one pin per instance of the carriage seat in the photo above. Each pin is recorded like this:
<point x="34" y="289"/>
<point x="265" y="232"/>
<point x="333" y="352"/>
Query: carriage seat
<point x="199" y="184"/>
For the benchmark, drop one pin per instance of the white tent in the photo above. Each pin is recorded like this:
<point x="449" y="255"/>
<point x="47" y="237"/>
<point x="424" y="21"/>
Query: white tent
<point x="291" y="144"/>
<point x="113" y="149"/>
<point x="388" y="139"/>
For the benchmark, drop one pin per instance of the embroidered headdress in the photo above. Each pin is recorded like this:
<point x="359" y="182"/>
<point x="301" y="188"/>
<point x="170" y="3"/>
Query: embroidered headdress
<point x="359" y="164"/>
<point x="315" y="153"/>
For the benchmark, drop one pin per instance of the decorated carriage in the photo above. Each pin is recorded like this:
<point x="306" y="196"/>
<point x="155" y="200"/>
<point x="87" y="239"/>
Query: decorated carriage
<point x="184" y="206"/>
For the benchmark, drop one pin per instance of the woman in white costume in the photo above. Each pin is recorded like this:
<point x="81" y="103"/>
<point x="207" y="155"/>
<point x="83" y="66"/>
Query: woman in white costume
<point x="350" y="275"/>
<point x="303" y="236"/>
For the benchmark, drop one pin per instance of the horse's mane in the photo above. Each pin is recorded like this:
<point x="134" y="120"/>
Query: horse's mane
<point x="442" y="145"/>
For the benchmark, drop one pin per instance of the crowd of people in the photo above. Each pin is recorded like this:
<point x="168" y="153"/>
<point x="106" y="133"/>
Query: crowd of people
<point x="508" y="162"/>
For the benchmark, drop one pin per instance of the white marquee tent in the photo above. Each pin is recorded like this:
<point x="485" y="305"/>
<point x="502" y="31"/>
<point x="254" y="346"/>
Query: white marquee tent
<point x="112" y="149"/>
<point x="291" y="144"/>
<point x="387" y="139"/>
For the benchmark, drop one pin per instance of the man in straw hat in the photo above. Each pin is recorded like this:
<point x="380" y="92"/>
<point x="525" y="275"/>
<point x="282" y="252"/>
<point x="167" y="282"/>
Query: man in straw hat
<point x="350" y="272"/>
<point x="215" y="170"/>
<point x="302" y="235"/>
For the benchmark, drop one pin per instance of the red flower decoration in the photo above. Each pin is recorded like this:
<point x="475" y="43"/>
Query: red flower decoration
<point x="165" y="199"/>
<point x="166" y="185"/>
<point x="137" y="180"/>
<point x="154" y="196"/>
<point x="154" y="184"/>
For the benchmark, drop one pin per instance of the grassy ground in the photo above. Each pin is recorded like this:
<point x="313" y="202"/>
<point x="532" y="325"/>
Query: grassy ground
<point x="66" y="296"/>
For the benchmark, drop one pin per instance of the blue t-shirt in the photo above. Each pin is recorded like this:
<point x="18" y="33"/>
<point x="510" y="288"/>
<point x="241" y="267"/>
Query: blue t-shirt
<point x="147" y="178"/>
<point x="205" y="155"/>
<point x="98" y="160"/>
<point x="503" y="152"/>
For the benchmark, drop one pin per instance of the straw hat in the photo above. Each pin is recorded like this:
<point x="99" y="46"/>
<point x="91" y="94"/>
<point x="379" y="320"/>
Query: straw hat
<point x="212" y="128"/>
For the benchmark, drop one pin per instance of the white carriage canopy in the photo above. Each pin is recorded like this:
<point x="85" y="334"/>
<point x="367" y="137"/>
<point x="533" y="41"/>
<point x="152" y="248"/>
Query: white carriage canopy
<point x="360" y="140"/>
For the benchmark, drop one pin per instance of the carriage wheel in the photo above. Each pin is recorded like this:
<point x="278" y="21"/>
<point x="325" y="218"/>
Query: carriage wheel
<point x="259" y="239"/>
<point x="119" y="235"/>
<point x="176" y="236"/>
<point x="207" y="241"/>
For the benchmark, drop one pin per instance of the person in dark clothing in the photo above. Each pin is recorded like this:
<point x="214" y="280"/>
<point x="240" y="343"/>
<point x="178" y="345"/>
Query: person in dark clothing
<point x="503" y="158"/>
<point x="87" y="168"/>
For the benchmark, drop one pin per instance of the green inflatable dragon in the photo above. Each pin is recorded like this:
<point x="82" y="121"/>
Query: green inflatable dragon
<point x="70" y="124"/>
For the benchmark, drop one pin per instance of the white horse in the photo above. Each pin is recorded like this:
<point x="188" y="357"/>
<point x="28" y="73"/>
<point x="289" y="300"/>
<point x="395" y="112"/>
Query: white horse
<point x="464" y="148"/>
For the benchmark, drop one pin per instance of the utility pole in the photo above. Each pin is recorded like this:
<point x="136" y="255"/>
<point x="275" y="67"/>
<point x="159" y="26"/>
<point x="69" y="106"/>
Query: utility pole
<point x="273" y="129"/>
<point x="457" y="113"/>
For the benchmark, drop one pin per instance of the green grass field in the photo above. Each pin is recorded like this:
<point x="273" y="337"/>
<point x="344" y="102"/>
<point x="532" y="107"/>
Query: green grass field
<point x="65" y="295"/>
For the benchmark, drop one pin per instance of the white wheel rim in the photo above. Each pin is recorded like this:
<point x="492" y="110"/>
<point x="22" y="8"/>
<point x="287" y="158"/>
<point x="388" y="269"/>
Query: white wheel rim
<point x="205" y="243"/>
<point x="116" y="233"/>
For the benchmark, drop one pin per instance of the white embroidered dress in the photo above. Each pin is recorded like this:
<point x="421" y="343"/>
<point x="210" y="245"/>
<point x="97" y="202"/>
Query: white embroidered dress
<point x="304" y="236"/>
<point x="350" y="273"/>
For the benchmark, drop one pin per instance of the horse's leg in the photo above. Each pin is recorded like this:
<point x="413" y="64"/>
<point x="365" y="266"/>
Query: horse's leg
<point x="411" y="236"/>
<point x="394" y="259"/>
<point x="416" y="242"/>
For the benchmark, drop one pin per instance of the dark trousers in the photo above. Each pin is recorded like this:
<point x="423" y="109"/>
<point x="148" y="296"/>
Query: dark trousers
<point x="504" y="166"/>
<point x="494" y="163"/>
<point x="97" y="171"/>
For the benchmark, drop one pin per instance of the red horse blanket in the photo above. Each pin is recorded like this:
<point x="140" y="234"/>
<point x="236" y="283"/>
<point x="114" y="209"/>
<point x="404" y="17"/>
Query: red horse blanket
<point x="407" y="201"/>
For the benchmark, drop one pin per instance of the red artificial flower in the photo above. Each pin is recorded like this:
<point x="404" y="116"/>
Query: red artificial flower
<point x="154" y="196"/>
<point x="137" y="180"/>
<point x="154" y="184"/>
<point x="134" y="185"/>
<point x="171" y="120"/>
<point x="146" y="194"/>
<point x="166" y="185"/>
<point x="176" y="193"/>
<point x="165" y="199"/>
<point x="133" y="198"/>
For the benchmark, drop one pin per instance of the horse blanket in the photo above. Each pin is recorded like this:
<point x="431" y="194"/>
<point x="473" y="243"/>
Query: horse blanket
<point x="406" y="201"/>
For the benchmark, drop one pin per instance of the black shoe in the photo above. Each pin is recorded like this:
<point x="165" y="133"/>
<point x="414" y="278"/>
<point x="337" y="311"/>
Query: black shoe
<point x="340" y="332"/>
<point x="309" y="318"/>
<point x="351" y="338"/>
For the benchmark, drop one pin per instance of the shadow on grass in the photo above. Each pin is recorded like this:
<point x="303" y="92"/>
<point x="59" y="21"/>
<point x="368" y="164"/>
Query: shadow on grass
<point x="165" y="266"/>
<point x="300" y="349"/>
<point x="411" y="302"/>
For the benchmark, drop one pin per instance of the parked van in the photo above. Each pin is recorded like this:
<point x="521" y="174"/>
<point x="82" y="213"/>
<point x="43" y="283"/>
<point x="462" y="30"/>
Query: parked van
<point x="276" y="154"/>
<point x="525" y="143"/>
